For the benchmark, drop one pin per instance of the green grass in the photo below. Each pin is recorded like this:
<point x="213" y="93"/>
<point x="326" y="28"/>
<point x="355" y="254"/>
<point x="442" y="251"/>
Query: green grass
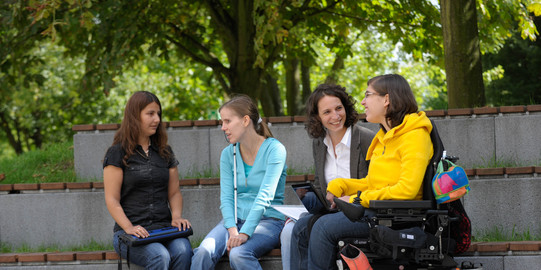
<point x="499" y="234"/>
<point x="495" y="162"/>
<point x="52" y="163"/>
<point x="195" y="173"/>
<point x="297" y="171"/>
<point x="92" y="246"/>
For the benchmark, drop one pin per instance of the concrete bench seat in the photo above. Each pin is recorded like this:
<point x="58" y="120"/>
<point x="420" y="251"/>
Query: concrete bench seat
<point x="107" y="259"/>
<point x="493" y="256"/>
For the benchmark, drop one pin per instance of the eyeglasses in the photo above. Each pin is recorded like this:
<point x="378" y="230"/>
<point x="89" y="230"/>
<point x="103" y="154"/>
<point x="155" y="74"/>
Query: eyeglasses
<point x="368" y="94"/>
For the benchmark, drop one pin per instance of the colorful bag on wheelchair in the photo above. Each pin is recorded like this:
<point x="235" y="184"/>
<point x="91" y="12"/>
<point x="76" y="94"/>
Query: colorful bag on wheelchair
<point x="449" y="185"/>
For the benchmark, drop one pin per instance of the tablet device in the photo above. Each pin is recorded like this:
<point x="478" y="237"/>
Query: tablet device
<point x="313" y="200"/>
<point x="158" y="235"/>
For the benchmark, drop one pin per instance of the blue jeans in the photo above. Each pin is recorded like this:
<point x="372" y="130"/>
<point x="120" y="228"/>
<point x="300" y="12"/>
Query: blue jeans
<point x="174" y="254"/>
<point x="285" y="244"/>
<point x="319" y="252"/>
<point x="246" y="256"/>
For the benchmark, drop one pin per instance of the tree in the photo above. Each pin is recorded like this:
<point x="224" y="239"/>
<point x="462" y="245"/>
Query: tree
<point x="464" y="43"/>
<point x="519" y="79"/>
<point x="240" y="41"/>
<point x="246" y="45"/>
<point x="19" y="69"/>
<point x="465" y="87"/>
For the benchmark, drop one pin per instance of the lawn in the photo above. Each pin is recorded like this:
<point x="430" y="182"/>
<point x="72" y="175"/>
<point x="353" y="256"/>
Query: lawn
<point x="52" y="163"/>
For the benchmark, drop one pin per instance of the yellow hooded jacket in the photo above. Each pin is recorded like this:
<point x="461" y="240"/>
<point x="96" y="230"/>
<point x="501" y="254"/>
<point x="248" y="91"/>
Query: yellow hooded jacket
<point x="398" y="160"/>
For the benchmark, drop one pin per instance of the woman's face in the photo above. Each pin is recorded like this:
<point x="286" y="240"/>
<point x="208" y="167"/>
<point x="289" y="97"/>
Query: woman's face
<point x="150" y="119"/>
<point x="233" y="125"/>
<point x="375" y="106"/>
<point x="332" y="113"/>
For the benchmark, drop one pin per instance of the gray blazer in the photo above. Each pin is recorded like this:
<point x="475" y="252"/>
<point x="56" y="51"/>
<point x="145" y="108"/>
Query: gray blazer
<point x="361" y="138"/>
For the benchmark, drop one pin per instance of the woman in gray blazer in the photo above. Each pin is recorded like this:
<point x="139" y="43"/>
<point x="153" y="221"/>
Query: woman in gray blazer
<point x="339" y="145"/>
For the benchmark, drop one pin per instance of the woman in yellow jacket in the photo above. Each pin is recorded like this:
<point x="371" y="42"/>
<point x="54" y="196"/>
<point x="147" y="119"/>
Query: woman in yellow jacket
<point x="399" y="155"/>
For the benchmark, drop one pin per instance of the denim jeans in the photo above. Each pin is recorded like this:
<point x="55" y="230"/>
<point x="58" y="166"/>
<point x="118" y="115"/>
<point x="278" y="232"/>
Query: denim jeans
<point x="174" y="254"/>
<point x="320" y="251"/>
<point x="285" y="244"/>
<point x="265" y="238"/>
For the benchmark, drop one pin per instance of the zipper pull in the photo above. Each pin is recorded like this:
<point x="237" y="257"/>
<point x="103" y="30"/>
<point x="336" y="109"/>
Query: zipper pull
<point x="384" y="149"/>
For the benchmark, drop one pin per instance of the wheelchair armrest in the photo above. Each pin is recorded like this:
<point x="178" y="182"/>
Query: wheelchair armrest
<point x="410" y="204"/>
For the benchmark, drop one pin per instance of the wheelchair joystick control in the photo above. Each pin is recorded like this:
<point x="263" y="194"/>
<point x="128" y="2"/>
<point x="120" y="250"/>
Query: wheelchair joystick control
<point x="353" y="211"/>
<point x="357" y="200"/>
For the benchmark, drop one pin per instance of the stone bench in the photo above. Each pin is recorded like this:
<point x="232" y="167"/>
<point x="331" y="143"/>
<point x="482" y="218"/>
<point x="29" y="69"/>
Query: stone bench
<point x="493" y="256"/>
<point x="99" y="260"/>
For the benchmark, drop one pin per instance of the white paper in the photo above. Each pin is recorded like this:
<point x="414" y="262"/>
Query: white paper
<point x="292" y="211"/>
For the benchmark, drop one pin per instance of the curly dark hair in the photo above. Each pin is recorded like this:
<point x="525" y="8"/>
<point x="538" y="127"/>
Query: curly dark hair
<point x="313" y="124"/>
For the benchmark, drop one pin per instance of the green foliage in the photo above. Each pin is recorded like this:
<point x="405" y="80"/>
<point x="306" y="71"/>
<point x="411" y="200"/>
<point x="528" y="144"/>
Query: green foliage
<point x="498" y="19"/>
<point x="516" y="79"/>
<point x="194" y="54"/>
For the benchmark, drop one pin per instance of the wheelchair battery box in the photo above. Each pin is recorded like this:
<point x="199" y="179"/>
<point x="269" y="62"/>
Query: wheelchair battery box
<point x="158" y="235"/>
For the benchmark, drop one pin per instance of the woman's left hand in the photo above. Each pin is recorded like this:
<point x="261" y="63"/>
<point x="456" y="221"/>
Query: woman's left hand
<point x="237" y="240"/>
<point x="181" y="223"/>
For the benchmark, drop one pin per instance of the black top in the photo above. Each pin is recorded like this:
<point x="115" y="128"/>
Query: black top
<point x="144" y="192"/>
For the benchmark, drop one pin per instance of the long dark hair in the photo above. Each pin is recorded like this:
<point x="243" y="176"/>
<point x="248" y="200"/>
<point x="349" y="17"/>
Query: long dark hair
<point x="130" y="128"/>
<point x="243" y="105"/>
<point x="313" y="124"/>
<point x="401" y="99"/>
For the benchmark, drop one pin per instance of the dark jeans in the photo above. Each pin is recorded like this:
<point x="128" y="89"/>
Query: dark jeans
<point x="174" y="254"/>
<point x="320" y="250"/>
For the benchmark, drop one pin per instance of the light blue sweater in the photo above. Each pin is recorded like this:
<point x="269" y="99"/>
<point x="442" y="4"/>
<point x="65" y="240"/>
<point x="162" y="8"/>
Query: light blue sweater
<point x="264" y="186"/>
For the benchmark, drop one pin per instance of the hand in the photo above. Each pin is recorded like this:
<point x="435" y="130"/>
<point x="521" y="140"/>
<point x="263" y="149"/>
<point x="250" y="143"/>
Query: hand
<point x="237" y="240"/>
<point x="301" y="192"/>
<point x="138" y="231"/>
<point x="330" y="198"/>
<point x="181" y="223"/>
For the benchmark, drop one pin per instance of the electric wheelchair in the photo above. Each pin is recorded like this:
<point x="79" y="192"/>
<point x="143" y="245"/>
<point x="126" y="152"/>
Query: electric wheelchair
<point x="409" y="234"/>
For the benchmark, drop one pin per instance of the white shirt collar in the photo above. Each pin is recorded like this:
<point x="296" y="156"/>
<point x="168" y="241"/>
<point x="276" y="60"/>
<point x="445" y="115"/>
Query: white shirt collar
<point x="346" y="139"/>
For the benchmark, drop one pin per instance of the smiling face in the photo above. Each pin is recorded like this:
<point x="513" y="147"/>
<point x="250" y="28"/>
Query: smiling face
<point x="332" y="114"/>
<point x="150" y="119"/>
<point x="233" y="125"/>
<point x="375" y="106"/>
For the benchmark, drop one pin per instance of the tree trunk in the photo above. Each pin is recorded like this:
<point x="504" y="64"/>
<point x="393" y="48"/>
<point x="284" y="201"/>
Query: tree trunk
<point x="237" y="32"/>
<point x="271" y="102"/>
<point x="15" y="144"/>
<point x="463" y="67"/>
<point x="335" y="69"/>
<point x="292" y="85"/>
<point x="306" y="89"/>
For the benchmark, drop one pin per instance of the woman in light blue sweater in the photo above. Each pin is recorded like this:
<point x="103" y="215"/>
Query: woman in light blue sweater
<point x="250" y="227"/>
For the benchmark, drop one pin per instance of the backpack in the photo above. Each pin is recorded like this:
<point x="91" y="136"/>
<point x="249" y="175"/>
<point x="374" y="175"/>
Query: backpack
<point x="460" y="232"/>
